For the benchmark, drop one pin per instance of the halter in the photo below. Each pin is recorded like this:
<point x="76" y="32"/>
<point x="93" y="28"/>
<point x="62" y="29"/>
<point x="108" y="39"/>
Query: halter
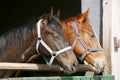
<point x="87" y="49"/>
<point x="53" y="53"/>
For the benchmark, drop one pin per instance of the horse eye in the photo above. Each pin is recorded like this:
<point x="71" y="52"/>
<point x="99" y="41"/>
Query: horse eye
<point x="92" y="36"/>
<point x="55" y="34"/>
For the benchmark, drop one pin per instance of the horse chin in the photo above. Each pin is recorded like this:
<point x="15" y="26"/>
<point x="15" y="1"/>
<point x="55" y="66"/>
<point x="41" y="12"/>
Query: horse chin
<point x="95" y="69"/>
<point x="68" y="69"/>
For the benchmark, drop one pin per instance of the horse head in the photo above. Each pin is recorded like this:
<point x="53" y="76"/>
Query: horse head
<point x="82" y="38"/>
<point x="43" y="36"/>
<point x="54" y="43"/>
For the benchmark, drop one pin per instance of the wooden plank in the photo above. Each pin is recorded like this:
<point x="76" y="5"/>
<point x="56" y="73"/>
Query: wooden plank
<point x="39" y="67"/>
<point x="28" y="67"/>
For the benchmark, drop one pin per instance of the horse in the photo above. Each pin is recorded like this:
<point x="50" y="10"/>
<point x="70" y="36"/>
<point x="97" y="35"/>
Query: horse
<point x="82" y="37"/>
<point x="43" y="36"/>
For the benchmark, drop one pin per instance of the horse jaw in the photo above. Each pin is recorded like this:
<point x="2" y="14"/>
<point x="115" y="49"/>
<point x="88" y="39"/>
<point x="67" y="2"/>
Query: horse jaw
<point x="99" y="65"/>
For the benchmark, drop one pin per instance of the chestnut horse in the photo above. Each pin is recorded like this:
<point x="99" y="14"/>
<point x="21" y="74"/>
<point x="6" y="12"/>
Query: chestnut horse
<point x="44" y="36"/>
<point x="81" y="36"/>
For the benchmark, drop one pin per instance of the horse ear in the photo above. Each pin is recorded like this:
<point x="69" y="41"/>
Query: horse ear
<point x="51" y="13"/>
<point x="86" y="14"/>
<point x="58" y="13"/>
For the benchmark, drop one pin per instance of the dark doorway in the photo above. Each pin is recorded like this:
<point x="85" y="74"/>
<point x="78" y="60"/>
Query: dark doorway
<point x="17" y="12"/>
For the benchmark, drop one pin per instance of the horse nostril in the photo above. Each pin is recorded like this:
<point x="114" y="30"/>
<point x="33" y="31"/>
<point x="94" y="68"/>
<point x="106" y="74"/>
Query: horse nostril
<point x="75" y="64"/>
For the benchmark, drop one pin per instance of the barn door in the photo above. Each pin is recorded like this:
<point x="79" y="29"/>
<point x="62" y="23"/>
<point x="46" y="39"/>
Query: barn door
<point x="116" y="37"/>
<point x="111" y="35"/>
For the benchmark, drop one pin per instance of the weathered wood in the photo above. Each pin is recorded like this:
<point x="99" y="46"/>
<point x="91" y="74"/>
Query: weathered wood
<point x="107" y="34"/>
<point x="38" y="67"/>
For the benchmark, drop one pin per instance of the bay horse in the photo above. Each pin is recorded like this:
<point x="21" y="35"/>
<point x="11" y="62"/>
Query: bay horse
<point x="81" y="36"/>
<point x="44" y="36"/>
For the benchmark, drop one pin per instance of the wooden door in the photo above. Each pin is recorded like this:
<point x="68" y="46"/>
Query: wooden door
<point x="115" y="57"/>
<point x="111" y="29"/>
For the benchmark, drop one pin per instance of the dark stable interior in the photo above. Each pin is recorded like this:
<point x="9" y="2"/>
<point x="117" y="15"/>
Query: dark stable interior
<point x="16" y="12"/>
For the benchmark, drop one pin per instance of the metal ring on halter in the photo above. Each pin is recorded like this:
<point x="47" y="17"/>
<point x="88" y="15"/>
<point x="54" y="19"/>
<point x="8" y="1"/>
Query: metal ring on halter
<point x="88" y="50"/>
<point x="54" y="53"/>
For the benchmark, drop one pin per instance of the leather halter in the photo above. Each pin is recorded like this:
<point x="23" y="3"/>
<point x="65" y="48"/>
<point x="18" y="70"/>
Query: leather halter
<point x="53" y="54"/>
<point x="87" y="49"/>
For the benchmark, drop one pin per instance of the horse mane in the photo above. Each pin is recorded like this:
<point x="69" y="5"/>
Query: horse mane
<point x="17" y="34"/>
<point x="78" y="17"/>
<point x="69" y="20"/>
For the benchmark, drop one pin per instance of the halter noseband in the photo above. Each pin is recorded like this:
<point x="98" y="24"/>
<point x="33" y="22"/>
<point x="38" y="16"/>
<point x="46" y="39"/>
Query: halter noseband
<point x="87" y="49"/>
<point x="53" y="54"/>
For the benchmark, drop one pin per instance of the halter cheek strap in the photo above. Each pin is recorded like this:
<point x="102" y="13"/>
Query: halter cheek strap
<point x="87" y="49"/>
<point x="53" y="54"/>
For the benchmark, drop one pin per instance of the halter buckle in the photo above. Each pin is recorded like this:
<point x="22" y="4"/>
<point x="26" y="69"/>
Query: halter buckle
<point x="39" y="38"/>
<point x="54" y="53"/>
<point x="77" y="36"/>
<point x="88" y="50"/>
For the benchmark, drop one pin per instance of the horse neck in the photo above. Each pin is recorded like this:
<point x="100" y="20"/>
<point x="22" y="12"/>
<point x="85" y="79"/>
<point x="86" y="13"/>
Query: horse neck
<point x="18" y="44"/>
